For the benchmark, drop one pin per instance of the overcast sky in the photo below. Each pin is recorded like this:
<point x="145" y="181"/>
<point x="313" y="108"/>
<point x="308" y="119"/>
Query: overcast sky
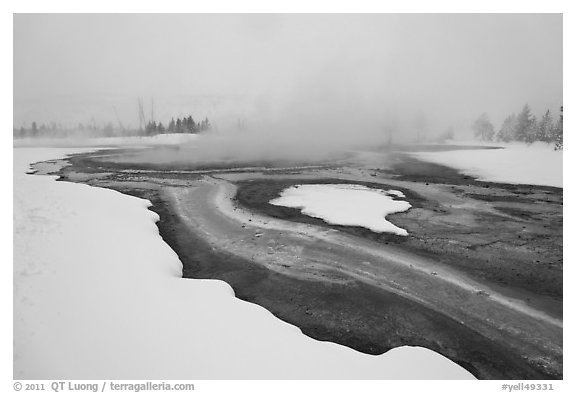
<point x="384" y="67"/>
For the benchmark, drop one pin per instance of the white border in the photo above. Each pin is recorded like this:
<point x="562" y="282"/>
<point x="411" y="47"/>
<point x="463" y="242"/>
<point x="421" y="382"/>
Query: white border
<point x="421" y="6"/>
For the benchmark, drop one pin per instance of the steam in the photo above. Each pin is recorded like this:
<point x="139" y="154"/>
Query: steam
<point x="289" y="82"/>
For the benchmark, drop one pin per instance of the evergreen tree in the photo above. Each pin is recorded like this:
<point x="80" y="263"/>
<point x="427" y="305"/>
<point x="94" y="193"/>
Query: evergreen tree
<point x="172" y="126"/>
<point x="151" y="128"/>
<point x="178" y="125"/>
<point x="161" y="129"/>
<point x="483" y="128"/>
<point x="204" y="125"/>
<point x="525" y="126"/>
<point x="34" y="130"/>
<point x="558" y="131"/>
<point x="190" y="125"/>
<point x="508" y="129"/>
<point x="544" y="129"/>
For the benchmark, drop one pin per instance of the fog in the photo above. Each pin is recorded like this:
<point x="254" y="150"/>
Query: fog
<point x="322" y="79"/>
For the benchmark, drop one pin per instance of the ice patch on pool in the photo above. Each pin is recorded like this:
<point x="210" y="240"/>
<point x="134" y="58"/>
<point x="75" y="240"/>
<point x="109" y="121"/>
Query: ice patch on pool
<point x="346" y="204"/>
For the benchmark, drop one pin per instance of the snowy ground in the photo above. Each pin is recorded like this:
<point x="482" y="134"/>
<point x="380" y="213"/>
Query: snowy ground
<point x="536" y="164"/>
<point x="346" y="204"/>
<point x="162" y="139"/>
<point x="98" y="294"/>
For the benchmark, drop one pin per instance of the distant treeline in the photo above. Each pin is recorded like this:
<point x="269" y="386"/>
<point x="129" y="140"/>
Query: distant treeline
<point x="524" y="127"/>
<point x="185" y="125"/>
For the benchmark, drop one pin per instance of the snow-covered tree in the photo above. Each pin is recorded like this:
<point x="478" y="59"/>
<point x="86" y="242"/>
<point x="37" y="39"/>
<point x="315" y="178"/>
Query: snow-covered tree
<point x="204" y="125"/>
<point x="558" y="131"/>
<point x="483" y="128"/>
<point x="508" y="129"/>
<point x="544" y="128"/>
<point x="525" y="126"/>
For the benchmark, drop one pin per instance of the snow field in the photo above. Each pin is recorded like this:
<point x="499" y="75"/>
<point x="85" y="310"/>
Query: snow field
<point x="346" y="204"/>
<point x="536" y="164"/>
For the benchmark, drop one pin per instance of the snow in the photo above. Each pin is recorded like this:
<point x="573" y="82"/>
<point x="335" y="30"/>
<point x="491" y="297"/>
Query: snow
<point x="346" y="204"/>
<point x="536" y="164"/>
<point x="125" y="141"/>
<point x="161" y="139"/>
<point x="397" y="193"/>
<point x="99" y="295"/>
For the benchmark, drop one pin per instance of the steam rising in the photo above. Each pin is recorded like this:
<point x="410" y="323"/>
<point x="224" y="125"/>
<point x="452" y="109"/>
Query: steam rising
<point x="278" y="83"/>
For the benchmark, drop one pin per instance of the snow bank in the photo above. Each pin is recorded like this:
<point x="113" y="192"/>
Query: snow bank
<point x="162" y="139"/>
<point x="98" y="295"/>
<point x="346" y="204"/>
<point x="536" y="164"/>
